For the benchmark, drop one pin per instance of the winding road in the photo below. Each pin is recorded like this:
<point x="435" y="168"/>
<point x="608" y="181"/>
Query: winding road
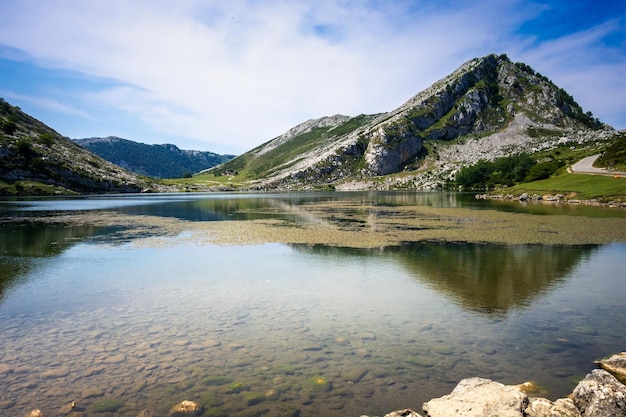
<point x="585" y="166"/>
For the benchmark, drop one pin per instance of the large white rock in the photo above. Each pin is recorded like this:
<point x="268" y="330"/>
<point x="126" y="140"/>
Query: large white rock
<point x="615" y="365"/>
<point x="600" y="394"/>
<point x="541" y="407"/>
<point x="479" y="397"/>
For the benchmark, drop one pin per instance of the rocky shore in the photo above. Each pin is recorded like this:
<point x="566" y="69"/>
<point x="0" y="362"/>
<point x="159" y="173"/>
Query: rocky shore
<point x="550" y="199"/>
<point x="601" y="393"/>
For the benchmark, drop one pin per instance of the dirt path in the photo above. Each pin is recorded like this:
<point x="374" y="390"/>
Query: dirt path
<point x="585" y="166"/>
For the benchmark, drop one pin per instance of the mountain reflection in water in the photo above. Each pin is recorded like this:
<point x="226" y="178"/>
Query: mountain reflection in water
<point x="484" y="278"/>
<point x="137" y="310"/>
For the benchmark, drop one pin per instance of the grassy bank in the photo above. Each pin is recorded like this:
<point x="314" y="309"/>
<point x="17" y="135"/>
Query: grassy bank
<point x="581" y="186"/>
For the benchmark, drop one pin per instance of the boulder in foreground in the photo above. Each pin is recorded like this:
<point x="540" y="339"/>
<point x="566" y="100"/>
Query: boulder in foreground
<point x="615" y="365"/>
<point x="600" y="394"/>
<point x="479" y="397"/>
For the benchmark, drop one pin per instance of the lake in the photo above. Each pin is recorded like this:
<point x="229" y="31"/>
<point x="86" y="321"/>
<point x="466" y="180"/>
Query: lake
<point x="299" y="304"/>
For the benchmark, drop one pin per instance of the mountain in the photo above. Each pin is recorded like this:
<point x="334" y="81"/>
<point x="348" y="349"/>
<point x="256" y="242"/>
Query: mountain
<point x="34" y="159"/>
<point x="488" y="107"/>
<point x="156" y="161"/>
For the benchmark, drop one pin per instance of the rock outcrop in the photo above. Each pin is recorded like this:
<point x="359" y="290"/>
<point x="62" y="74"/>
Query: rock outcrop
<point x="488" y="107"/>
<point x="478" y="397"/>
<point x="541" y="407"/>
<point x="390" y="149"/>
<point x="615" y="365"/>
<point x="599" y="394"/>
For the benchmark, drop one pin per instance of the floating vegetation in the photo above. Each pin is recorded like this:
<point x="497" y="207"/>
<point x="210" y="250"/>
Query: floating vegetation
<point x="389" y="226"/>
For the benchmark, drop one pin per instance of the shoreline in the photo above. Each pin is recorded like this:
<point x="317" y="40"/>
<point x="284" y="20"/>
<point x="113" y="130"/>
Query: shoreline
<point x="601" y="393"/>
<point x="550" y="199"/>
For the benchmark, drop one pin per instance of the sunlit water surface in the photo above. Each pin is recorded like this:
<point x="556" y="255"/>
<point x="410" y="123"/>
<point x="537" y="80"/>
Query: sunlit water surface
<point x="281" y="330"/>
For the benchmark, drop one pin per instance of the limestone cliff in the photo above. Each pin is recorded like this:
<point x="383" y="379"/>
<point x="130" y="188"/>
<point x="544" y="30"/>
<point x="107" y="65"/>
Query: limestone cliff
<point x="500" y="103"/>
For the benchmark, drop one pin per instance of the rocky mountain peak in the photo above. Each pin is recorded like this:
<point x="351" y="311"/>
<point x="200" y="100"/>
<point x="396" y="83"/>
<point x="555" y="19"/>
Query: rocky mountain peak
<point x="302" y="128"/>
<point x="486" y="98"/>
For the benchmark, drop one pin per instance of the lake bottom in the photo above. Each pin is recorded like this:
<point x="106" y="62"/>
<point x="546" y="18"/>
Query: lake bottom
<point x="281" y="330"/>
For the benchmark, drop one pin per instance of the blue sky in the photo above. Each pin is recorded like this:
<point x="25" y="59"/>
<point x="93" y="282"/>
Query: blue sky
<point x="228" y="75"/>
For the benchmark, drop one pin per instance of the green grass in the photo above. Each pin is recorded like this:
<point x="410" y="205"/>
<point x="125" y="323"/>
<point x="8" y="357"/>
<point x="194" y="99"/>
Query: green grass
<point x="582" y="186"/>
<point x="29" y="187"/>
<point x="248" y="166"/>
<point x="614" y="156"/>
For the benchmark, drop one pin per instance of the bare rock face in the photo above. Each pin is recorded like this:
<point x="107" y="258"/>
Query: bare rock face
<point x="479" y="397"/>
<point x="600" y="394"/>
<point x="541" y="407"/>
<point x="615" y="365"/>
<point x="390" y="148"/>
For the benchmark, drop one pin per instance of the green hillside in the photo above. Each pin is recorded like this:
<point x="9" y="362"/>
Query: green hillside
<point x="156" y="161"/>
<point x="254" y="164"/>
<point x="36" y="160"/>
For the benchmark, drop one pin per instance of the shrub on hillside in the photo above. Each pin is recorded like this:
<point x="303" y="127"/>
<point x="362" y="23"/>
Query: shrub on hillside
<point x="503" y="171"/>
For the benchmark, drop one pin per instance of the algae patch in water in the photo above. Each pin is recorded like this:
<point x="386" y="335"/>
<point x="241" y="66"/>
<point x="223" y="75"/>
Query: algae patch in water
<point x="369" y="226"/>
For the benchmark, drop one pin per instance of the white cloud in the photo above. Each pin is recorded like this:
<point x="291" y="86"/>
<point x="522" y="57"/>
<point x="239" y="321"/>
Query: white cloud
<point x="242" y="71"/>
<point x="45" y="103"/>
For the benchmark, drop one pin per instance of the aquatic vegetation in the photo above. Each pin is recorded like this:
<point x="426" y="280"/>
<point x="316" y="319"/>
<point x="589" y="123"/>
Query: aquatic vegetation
<point x="210" y="400"/>
<point x="253" y="397"/>
<point x="216" y="380"/>
<point x="236" y="387"/>
<point x="318" y="383"/>
<point x="214" y="412"/>
<point x="107" y="406"/>
<point x="286" y="369"/>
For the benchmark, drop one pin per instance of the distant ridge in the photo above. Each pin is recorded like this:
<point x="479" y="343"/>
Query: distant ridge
<point x="156" y="161"/>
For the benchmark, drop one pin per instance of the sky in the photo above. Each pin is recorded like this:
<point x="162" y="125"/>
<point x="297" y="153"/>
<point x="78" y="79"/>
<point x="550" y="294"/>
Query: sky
<point x="228" y="75"/>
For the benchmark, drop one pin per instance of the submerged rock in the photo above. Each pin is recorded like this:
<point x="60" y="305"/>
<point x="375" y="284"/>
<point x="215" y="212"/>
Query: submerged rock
<point x="55" y="373"/>
<point x="272" y="395"/>
<point x="318" y="383"/>
<point x="186" y="409"/>
<point x="615" y="365"/>
<point x="600" y="394"/>
<point x="35" y="413"/>
<point x="109" y="405"/>
<point x="478" y="397"/>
